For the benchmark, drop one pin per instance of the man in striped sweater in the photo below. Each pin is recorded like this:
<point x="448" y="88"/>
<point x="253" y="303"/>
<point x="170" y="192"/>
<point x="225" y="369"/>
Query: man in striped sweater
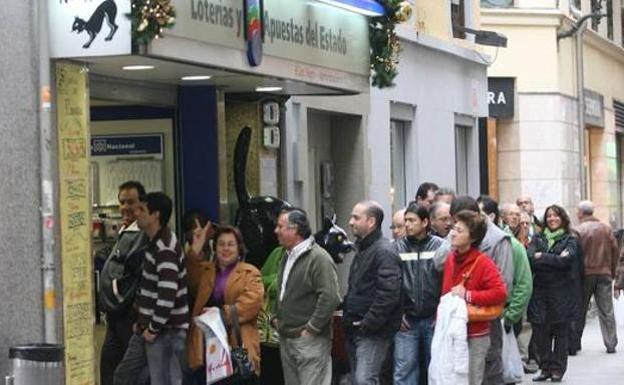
<point x="160" y="331"/>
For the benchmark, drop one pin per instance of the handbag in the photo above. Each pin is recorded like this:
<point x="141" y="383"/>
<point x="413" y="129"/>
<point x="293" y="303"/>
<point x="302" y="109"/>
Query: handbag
<point x="481" y="313"/>
<point x="243" y="369"/>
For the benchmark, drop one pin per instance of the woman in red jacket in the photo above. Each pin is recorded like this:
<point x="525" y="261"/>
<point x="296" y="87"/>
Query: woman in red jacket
<point x="472" y="275"/>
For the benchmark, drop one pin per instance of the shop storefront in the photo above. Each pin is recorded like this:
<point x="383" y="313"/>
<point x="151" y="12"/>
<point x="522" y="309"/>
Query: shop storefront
<point x="168" y="113"/>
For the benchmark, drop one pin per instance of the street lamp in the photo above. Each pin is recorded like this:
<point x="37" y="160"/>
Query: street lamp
<point x="578" y="30"/>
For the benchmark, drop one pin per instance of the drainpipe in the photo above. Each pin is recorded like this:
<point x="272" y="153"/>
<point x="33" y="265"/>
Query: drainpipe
<point x="580" y="92"/>
<point x="48" y="172"/>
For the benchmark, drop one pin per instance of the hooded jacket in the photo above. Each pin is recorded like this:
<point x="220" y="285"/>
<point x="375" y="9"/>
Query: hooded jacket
<point x="421" y="281"/>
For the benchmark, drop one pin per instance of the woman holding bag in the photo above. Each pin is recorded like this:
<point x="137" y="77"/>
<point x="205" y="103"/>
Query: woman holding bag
<point x="231" y="285"/>
<point x="473" y="276"/>
<point x="554" y="255"/>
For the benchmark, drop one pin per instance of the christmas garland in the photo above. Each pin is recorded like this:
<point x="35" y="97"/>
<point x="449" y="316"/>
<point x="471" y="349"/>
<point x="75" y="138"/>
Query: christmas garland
<point x="384" y="43"/>
<point x="149" y="17"/>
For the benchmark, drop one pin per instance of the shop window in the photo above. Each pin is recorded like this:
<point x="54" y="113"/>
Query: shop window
<point x="462" y="143"/>
<point x="397" y="170"/>
<point x="458" y="18"/>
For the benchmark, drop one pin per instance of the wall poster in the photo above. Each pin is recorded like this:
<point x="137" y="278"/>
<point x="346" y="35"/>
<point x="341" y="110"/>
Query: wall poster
<point x="75" y="220"/>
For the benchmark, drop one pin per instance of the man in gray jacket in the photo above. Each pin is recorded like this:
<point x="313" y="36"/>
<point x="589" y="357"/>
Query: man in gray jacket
<point x="308" y="294"/>
<point x="497" y="245"/>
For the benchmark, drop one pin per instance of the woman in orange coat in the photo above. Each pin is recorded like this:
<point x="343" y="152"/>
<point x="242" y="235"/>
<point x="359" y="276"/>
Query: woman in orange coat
<point x="224" y="282"/>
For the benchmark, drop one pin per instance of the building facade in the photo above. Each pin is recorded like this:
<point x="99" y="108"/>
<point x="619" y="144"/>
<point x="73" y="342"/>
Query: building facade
<point x="538" y="147"/>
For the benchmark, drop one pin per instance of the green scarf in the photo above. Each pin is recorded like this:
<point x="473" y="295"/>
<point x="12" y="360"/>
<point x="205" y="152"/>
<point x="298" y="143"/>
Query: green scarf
<point x="553" y="236"/>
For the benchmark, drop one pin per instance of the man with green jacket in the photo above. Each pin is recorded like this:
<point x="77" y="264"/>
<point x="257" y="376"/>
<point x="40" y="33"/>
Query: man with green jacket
<point x="307" y="295"/>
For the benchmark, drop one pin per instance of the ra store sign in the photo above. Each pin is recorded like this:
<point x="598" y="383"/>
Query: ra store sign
<point x="80" y="28"/>
<point x="501" y="92"/>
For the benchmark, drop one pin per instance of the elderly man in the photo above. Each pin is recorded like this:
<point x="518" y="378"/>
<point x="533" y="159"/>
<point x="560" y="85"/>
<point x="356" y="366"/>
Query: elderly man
<point x="372" y="305"/>
<point x="398" y="225"/>
<point x="308" y="294"/>
<point x="440" y="219"/>
<point x="526" y="204"/>
<point x="511" y="216"/>
<point x="600" y="251"/>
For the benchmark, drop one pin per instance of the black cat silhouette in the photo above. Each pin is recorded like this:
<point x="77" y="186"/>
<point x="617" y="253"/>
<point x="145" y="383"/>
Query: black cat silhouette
<point x="107" y="10"/>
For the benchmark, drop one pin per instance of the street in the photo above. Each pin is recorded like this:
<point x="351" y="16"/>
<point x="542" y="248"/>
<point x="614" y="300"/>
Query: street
<point x="593" y="365"/>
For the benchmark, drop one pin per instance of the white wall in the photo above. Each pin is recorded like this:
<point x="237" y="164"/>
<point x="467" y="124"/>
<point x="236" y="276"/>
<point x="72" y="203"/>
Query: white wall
<point x="440" y="86"/>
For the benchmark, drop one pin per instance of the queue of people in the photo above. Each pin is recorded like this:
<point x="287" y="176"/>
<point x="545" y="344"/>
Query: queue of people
<point x="453" y="261"/>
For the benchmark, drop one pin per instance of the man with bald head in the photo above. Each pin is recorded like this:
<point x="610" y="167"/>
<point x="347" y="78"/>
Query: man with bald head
<point x="600" y="251"/>
<point x="398" y="225"/>
<point x="372" y="305"/>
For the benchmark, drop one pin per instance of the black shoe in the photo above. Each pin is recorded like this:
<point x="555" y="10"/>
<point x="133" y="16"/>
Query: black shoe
<point x="542" y="377"/>
<point x="556" y="377"/>
<point x="610" y="350"/>
<point x="571" y="352"/>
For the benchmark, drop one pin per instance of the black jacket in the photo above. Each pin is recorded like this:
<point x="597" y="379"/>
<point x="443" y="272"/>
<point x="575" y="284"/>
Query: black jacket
<point x="374" y="294"/>
<point x="421" y="281"/>
<point x="556" y="277"/>
<point x="121" y="274"/>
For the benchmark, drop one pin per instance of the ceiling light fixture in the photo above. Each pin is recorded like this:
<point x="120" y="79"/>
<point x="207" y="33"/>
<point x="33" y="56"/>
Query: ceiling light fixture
<point x="268" y="89"/>
<point x="195" y="77"/>
<point x="363" y="7"/>
<point x="138" y="67"/>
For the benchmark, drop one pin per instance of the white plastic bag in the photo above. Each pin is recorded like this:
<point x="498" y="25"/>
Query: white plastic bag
<point x="218" y="358"/>
<point x="512" y="363"/>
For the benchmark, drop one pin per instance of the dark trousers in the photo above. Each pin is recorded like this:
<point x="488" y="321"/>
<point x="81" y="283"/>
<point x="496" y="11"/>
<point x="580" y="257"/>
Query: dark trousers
<point x="600" y="287"/>
<point x="551" y="359"/>
<point x="494" y="360"/>
<point x="118" y="333"/>
<point x="271" y="366"/>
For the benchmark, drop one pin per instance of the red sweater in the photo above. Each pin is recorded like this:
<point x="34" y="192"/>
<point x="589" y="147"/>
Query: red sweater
<point x="484" y="287"/>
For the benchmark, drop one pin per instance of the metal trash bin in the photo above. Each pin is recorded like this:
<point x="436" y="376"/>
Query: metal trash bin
<point x="36" y="364"/>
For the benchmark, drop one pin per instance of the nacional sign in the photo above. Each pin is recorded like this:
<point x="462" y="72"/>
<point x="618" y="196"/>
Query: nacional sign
<point x="303" y="31"/>
<point x="116" y="145"/>
<point x="501" y="92"/>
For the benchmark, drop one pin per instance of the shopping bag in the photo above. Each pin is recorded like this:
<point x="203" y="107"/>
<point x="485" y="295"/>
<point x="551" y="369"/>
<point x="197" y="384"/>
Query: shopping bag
<point x="218" y="356"/>
<point x="512" y="363"/>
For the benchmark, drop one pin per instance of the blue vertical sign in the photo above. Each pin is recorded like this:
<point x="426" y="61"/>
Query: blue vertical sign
<point x="253" y="31"/>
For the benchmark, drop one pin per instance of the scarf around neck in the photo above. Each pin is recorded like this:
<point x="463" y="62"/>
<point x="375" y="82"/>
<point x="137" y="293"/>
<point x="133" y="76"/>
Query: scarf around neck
<point x="553" y="236"/>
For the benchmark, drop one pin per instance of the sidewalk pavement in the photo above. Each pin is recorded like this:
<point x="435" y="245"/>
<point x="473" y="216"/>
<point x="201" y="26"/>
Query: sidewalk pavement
<point x="592" y="365"/>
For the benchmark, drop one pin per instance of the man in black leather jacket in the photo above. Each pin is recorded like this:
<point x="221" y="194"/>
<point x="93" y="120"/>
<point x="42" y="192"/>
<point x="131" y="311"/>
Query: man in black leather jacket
<point x="119" y="281"/>
<point x="421" y="295"/>
<point x="372" y="305"/>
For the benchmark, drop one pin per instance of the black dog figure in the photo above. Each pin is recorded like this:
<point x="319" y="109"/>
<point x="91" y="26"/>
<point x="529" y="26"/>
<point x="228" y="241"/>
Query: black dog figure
<point x="107" y="10"/>
<point x="334" y="239"/>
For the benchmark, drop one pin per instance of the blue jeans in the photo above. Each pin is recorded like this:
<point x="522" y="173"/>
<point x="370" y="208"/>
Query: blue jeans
<point x="407" y="362"/>
<point x="366" y="356"/>
<point x="165" y="358"/>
